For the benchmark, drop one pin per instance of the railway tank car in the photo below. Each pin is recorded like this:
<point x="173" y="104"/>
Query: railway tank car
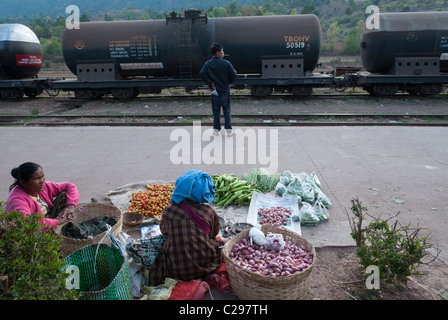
<point x="177" y="47"/>
<point x="20" y="52"/>
<point x="20" y="58"/>
<point x="404" y="47"/>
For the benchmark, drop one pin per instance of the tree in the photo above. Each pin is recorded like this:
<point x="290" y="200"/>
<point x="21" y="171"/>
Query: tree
<point x="84" y="17"/>
<point x="351" y="4"/>
<point x="267" y="8"/>
<point x="219" y="12"/>
<point x="332" y="35"/>
<point x="309" y="8"/>
<point x="352" y="42"/>
<point x="234" y="9"/>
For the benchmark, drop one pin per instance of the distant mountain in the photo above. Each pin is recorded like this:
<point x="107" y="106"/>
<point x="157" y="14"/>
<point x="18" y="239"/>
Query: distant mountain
<point x="55" y="8"/>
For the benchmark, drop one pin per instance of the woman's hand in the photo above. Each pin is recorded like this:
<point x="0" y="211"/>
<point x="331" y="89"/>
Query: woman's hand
<point x="67" y="214"/>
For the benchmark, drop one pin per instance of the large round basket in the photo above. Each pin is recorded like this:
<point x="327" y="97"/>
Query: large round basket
<point x="248" y="285"/>
<point x="87" y="212"/>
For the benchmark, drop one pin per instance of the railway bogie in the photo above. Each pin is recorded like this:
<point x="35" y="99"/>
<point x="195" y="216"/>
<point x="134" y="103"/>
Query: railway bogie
<point x="17" y="89"/>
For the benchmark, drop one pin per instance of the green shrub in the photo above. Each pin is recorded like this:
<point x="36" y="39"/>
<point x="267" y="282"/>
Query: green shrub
<point x="395" y="249"/>
<point x="30" y="263"/>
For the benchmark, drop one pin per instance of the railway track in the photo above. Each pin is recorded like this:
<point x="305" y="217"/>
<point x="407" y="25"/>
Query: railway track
<point x="284" y="120"/>
<point x="204" y="94"/>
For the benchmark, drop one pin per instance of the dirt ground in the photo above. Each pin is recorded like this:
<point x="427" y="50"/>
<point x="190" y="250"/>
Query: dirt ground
<point x="338" y="276"/>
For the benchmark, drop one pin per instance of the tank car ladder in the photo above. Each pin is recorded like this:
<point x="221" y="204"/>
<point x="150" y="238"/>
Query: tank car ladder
<point x="186" y="66"/>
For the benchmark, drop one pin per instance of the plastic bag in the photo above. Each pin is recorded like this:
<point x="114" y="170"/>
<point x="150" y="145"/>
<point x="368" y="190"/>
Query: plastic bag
<point x="134" y="267"/>
<point x="274" y="242"/>
<point x="307" y="192"/>
<point x="160" y="292"/>
<point x="280" y="189"/>
<point x="307" y="215"/>
<point x="315" y="179"/>
<point x="321" y="211"/>
<point x="257" y="236"/>
<point x="287" y="177"/>
<point x="322" y="198"/>
<point x="294" y="190"/>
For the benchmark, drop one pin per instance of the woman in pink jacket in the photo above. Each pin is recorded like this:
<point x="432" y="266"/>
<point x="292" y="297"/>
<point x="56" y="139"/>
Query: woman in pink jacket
<point x="30" y="193"/>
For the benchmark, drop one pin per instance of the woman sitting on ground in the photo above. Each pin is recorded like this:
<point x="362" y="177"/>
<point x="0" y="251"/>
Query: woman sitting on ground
<point x="30" y="193"/>
<point x="190" y="226"/>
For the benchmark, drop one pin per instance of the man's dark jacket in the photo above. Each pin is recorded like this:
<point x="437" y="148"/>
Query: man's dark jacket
<point x="220" y="72"/>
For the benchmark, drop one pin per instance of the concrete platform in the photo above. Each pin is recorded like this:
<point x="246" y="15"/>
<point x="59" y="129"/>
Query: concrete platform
<point x="390" y="169"/>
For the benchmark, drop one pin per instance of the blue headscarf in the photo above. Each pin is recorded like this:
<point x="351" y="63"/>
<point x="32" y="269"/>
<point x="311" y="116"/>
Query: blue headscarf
<point x="195" y="185"/>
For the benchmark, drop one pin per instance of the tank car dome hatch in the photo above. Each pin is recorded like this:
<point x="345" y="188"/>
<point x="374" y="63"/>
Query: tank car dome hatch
<point x="405" y="35"/>
<point x="20" y="52"/>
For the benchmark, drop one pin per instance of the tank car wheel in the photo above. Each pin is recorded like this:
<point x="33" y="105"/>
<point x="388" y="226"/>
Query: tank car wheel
<point x="369" y="90"/>
<point x="412" y="92"/>
<point x="385" y="90"/>
<point x="431" y="89"/>
<point x="302" y="90"/>
<point x="260" y="91"/>
<point x="124" y="93"/>
<point x="14" y="93"/>
<point x="31" y="93"/>
<point x="87" y="94"/>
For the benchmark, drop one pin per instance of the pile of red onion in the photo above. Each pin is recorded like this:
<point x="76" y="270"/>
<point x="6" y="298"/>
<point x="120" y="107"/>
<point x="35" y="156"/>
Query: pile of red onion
<point x="293" y="258"/>
<point x="275" y="216"/>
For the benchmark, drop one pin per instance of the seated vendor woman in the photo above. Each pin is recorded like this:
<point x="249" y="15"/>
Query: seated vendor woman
<point x="190" y="226"/>
<point x="30" y="193"/>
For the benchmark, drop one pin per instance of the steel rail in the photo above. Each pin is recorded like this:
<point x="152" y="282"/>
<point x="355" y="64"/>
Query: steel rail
<point x="305" y="119"/>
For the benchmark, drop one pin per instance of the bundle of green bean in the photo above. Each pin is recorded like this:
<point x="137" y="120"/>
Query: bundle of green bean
<point x="229" y="190"/>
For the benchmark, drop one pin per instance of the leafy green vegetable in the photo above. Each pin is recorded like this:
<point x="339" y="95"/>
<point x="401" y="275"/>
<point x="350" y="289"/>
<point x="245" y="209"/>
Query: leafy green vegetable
<point x="261" y="179"/>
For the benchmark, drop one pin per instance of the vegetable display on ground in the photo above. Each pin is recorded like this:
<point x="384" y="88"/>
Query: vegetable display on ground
<point x="230" y="190"/>
<point x="272" y="263"/>
<point x="312" y="201"/>
<point x="151" y="202"/>
<point x="307" y="187"/>
<point x="275" y="216"/>
<point x="261" y="179"/>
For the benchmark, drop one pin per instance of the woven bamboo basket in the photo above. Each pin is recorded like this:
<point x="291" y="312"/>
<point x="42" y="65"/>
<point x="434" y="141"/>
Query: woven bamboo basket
<point x="248" y="285"/>
<point x="87" y="212"/>
<point x="132" y="219"/>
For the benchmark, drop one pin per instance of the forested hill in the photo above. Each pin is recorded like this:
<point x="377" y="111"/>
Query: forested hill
<point x="55" y="8"/>
<point x="17" y="9"/>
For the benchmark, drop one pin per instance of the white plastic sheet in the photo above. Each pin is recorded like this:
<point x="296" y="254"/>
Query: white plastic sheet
<point x="260" y="200"/>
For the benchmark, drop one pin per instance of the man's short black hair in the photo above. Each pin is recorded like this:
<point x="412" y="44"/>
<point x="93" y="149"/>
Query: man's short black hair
<point x="216" y="47"/>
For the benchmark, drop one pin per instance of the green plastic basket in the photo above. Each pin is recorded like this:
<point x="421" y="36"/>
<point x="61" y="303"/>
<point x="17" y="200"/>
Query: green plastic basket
<point x="103" y="273"/>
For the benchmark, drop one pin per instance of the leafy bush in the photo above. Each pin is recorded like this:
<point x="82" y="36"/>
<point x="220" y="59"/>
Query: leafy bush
<point x="30" y="264"/>
<point x="395" y="249"/>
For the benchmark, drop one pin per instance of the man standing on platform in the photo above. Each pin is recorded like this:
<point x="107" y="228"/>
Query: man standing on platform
<point x="219" y="74"/>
